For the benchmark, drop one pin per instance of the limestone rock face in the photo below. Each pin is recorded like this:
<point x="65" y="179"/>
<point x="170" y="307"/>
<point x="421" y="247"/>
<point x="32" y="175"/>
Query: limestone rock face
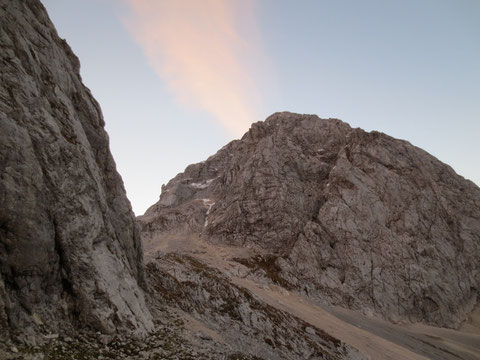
<point x="70" y="252"/>
<point x="346" y="217"/>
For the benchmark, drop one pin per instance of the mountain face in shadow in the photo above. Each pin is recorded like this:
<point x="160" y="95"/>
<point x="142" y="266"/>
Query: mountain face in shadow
<point x="70" y="252"/>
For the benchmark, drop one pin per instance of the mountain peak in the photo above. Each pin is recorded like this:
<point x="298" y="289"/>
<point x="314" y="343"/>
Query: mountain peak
<point x="347" y="217"/>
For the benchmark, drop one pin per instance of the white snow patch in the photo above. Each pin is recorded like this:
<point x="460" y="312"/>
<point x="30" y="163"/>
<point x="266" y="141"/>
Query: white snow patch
<point x="202" y="185"/>
<point x="179" y="181"/>
<point x="208" y="203"/>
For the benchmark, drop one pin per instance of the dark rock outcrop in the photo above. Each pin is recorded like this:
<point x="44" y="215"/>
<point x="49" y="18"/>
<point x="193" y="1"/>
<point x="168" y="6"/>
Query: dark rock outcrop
<point x="70" y="252"/>
<point x="346" y="217"/>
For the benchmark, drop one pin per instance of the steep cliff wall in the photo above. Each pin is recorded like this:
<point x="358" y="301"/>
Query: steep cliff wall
<point x="70" y="253"/>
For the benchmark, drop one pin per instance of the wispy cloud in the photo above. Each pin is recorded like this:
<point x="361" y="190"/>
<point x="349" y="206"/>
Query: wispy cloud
<point x="207" y="50"/>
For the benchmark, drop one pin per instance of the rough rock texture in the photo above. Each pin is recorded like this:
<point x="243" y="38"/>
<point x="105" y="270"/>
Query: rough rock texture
<point x="70" y="252"/>
<point x="243" y="320"/>
<point x="170" y="340"/>
<point x="347" y="217"/>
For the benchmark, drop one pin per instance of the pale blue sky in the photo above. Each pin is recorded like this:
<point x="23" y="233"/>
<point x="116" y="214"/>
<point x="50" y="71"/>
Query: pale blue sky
<point x="406" y="68"/>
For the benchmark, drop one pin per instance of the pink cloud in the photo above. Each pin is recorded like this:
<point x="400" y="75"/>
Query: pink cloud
<point x="204" y="50"/>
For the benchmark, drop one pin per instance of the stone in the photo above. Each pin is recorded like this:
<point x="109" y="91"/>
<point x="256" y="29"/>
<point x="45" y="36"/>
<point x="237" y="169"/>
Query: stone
<point x="105" y="339"/>
<point x="70" y="251"/>
<point x="36" y="319"/>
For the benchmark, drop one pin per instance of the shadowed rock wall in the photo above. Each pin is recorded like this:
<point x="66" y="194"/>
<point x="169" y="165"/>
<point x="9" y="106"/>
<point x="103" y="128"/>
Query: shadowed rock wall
<point x="70" y="252"/>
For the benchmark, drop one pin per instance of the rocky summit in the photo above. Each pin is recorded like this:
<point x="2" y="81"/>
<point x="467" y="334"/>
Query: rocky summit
<point x="305" y="239"/>
<point x="315" y="217"/>
<point x="343" y="216"/>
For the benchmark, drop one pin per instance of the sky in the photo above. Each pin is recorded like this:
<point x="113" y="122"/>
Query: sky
<point x="179" y="79"/>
